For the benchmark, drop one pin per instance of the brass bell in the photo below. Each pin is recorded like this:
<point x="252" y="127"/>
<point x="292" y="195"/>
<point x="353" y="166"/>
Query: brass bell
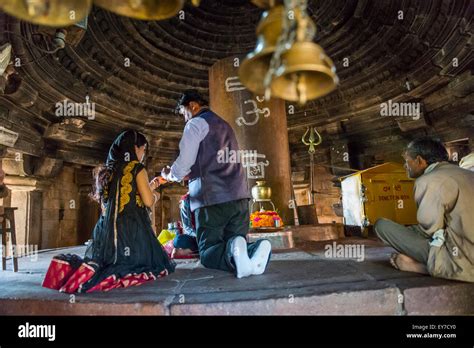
<point x="143" y="9"/>
<point x="267" y="3"/>
<point x="254" y="67"/>
<point x="306" y="73"/>
<point x="54" y="13"/>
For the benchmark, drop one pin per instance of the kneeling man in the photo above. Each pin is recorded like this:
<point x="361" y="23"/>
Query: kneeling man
<point x="218" y="191"/>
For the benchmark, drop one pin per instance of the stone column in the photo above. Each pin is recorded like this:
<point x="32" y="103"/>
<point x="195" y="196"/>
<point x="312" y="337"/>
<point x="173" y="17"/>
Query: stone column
<point x="26" y="194"/>
<point x="259" y="126"/>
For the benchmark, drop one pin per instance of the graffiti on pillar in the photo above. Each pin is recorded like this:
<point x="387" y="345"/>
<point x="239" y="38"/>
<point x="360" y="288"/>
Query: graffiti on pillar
<point x="255" y="111"/>
<point x="233" y="84"/>
<point x="255" y="165"/>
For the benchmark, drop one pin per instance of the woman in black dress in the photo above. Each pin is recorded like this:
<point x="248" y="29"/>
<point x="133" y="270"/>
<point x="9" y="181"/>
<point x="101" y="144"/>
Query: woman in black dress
<point x="124" y="249"/>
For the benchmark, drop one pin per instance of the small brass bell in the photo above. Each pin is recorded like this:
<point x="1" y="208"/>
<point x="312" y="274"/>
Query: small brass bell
<point x="306" y="73"/>
<point x="255" y="65"/>
<point x="143" y="9"/>
<point x="53" y="13"/>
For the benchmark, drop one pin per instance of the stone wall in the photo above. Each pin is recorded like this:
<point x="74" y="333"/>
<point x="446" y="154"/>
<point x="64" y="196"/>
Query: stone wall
<point x="60" y="211"/>
<point x="167" y="208"/>
<point x="326" y="195"/>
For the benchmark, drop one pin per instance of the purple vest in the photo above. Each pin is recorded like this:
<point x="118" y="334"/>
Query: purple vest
<point x="211" y="182"/>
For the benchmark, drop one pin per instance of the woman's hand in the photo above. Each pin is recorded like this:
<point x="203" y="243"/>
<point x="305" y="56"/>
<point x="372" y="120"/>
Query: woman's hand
<point x="145" y="188"/>
<point x="155" y="183"/>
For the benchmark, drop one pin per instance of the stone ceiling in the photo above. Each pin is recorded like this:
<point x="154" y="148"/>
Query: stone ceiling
<point x="135" y="70"/>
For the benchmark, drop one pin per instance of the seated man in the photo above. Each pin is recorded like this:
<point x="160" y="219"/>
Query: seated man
<point x="442" y="244"/>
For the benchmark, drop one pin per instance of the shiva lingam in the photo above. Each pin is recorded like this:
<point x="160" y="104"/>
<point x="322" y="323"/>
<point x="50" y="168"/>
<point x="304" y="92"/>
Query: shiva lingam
<point x="267" y="224"/>
<point x="261" y="194"/>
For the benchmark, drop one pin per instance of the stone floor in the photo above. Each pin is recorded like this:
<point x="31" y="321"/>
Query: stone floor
<point x="302" y="281"/>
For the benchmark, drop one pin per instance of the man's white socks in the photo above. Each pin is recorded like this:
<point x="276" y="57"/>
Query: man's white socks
<point x="260" y="259"/>
<point x="241" y="257"/>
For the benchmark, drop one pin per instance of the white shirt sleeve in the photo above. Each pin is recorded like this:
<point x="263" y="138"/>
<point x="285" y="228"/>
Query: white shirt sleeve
<point x="194" y="132"/>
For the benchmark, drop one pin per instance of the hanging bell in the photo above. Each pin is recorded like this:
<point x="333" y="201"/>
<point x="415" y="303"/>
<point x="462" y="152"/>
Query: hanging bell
<point x="143" y="9"/>
<point x="53" y="13"/>
<point x="267" y="3"/>
<point x="306" y="73"/>
<point x="254" y="67"/>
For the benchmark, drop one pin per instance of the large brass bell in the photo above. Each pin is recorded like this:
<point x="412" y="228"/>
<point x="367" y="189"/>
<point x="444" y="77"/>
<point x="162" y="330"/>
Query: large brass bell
<point x="306" y="73"/>
<point x="254" y="68"/>
<point x="143" y="9"/>
<point x="54" y="13"/>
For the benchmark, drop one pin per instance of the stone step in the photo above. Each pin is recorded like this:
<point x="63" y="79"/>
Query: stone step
<point x="300" y="282"/>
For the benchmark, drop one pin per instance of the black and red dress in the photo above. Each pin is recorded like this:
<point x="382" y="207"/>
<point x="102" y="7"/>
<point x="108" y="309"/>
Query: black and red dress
<point x="124" y="249"/>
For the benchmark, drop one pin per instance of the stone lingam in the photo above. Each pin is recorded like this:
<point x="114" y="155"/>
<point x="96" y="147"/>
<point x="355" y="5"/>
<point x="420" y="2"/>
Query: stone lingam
<point x="267" y="223"/>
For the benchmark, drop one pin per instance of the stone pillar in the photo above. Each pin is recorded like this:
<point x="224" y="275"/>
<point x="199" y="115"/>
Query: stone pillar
<point x="259" y="126"/>
<point x="28" y="201"/>
<point x="26" y="195"/>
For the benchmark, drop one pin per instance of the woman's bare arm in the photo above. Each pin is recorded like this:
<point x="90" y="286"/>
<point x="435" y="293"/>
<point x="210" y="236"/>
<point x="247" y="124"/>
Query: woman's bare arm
<point x="144" y="189"/>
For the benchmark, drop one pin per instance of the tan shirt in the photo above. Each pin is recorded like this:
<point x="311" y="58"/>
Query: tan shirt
<point x="445" y="198"/>
<point x="467" y="162"/>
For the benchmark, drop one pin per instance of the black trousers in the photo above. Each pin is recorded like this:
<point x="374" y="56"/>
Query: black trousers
<point x="216" y="228"/>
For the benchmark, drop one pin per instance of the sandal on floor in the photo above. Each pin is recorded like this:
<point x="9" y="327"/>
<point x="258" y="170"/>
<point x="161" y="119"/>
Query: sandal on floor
<point x="393" y="260"/>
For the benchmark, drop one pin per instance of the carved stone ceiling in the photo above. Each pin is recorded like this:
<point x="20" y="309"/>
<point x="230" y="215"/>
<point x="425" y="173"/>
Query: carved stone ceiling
<point x="386" y="58"/>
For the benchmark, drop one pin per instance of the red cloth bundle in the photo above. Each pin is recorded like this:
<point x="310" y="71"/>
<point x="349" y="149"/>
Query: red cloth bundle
<point x="58" y="273"/>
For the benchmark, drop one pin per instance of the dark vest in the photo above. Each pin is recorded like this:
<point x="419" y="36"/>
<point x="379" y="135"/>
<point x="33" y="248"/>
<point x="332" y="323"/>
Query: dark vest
<point x="211" y="182"/>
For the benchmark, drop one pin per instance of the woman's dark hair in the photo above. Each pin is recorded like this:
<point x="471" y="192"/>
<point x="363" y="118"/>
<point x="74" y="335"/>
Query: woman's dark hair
<point x="430" y="149"/>
<point x="141" y="140"/>
<point x="103" y="174"/>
